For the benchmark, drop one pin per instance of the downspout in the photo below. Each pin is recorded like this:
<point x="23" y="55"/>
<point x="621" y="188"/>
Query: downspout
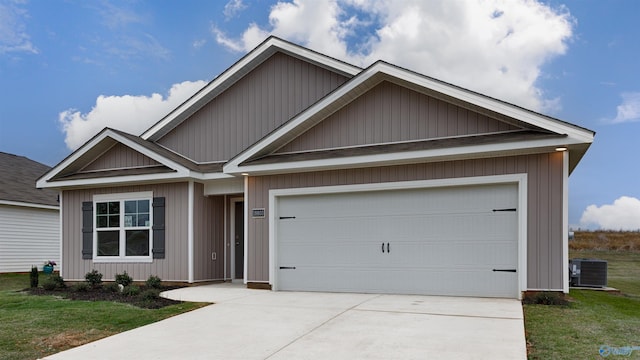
<point x="190" y="230"/>
<point x="246" y="229"/>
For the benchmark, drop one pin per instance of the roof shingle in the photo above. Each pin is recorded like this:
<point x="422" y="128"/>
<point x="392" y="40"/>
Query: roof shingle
<point x="18" y="176"/>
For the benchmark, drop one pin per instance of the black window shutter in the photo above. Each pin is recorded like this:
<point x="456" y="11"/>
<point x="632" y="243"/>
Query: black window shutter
<point x="158" y="228"/>
<point x="87" y="230"/>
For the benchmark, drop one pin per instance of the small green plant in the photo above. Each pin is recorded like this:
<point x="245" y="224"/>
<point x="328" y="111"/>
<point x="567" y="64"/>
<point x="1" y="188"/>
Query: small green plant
<point x="58" y="280"/>
<point x="94" y="278"/>
<point x="33" y="277"/>
<point x="124" y="279"/>
<point x="545" y="298"/>
<point x="112" y="287"/>
<point x="154" y="282"/>
<point x="49" y="284"/>
<point x="150" y="294"/>
<point x="80" y="287"/>
<point x="131" y="290"/>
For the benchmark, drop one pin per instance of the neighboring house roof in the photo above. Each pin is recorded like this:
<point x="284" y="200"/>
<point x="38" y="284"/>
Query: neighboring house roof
<point x="529" y="132"/>
<point x="18" y="176"/>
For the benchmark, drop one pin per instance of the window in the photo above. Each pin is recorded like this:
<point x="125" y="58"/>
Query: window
<point x="123" y="227"/>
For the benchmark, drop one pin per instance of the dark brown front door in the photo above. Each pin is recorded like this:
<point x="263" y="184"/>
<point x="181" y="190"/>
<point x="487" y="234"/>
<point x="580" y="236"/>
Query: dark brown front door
<point x="239" y="239"/>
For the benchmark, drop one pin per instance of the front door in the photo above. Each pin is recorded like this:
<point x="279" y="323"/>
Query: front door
<point x="238" y="226"/>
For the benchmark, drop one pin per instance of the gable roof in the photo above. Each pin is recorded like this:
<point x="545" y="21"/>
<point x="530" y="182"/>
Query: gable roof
<point x="576" y="138"/>
<point x="537" y="133"/>
<point x="171" y="165"/>
<point x="242" y="67"/>
<point x="18" y="176"/>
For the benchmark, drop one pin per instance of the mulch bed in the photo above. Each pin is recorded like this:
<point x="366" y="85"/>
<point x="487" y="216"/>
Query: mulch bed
<point x="102" y="294"/>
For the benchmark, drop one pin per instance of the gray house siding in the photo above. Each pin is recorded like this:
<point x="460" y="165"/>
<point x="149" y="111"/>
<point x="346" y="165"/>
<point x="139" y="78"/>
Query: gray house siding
<point x="208" y="228"/>
<point x="120" y="157"/>
<point x="545" y="171"/>
<point x="390" y="113"/>
<point x="174" y="267"/>
<point x="257" y="104"/>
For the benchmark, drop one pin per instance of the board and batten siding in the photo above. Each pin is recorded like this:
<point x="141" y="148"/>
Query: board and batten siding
<point x="120" y="157"/>
<point x="174" y="267"/>
<point x="258" y="103"/>
<point x="391" y="113"/>
<point x="544" y="197"/>
<point x="29" y="236"/>
<point x="208" y="233"/>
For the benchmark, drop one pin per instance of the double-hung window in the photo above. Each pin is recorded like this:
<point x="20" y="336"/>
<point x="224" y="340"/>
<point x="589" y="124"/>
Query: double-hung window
<point x="123" y="227"/>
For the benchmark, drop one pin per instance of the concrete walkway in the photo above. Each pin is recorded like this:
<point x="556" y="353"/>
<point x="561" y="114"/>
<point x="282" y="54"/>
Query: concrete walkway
<point x="262" y="324"/>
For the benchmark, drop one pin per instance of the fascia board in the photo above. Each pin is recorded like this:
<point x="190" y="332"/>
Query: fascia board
<point x="244" y="65"/>
<point x="29" y="205"/>
<point x="482" y="101"/>
<point x="118" y="180"/>
<point x="463" y="152"/>
<point x="574" y="133"/>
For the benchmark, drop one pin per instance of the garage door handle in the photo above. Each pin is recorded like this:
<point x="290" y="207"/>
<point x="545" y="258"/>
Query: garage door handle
<point x="383" y="247"/>
<point x="388" y="248"/>
<point x="505" y="270"/>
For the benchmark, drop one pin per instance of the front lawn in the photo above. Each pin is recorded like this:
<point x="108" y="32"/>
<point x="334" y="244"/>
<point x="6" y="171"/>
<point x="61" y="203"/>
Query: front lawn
<point x="35" y="326"/>
<point x="593" y="319"/>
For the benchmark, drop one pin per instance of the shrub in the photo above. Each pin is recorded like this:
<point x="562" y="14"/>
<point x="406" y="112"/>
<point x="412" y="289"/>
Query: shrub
<point x="131" y="290"/>
<point x="33" y="277"/>
<point x="49" y="284"/>
<point x="58" y="280"/>
<point x="112" y="287"/>
<point x="94" y="278"/>
<point x="545" y="298"/>
<point x="154" y="282"/>
<point x="124" y="279"/>
<point x="150" y="294"/>
<point x="80" y="287"/>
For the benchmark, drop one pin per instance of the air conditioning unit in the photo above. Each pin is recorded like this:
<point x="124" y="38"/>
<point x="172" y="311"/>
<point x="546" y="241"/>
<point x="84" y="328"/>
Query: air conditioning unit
<point x="588" y="272"/>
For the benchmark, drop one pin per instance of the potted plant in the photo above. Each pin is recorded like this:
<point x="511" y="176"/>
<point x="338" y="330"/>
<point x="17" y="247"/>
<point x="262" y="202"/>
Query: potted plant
<point x="48" y="266"/>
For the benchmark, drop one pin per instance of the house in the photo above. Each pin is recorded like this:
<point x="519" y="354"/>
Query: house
<point x="295" y="171"/>
<point x="29" y="217"/>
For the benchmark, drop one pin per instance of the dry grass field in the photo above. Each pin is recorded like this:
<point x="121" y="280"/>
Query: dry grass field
<point x="626" y="241"/>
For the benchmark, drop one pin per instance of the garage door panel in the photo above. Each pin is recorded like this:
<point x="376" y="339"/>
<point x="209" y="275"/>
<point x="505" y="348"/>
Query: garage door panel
<point x="444" y="241"/>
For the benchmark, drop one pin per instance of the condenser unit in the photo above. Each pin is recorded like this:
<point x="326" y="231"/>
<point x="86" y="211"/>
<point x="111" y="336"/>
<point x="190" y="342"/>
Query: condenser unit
<point x="588" y="272"/>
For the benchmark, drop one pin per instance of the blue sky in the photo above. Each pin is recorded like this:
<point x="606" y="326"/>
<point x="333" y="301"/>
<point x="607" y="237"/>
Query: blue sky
<point x="68" y="68"/>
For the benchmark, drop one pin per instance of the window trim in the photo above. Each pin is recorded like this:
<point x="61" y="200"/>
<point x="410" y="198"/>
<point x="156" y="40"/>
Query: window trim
<point x="122" y="197"/>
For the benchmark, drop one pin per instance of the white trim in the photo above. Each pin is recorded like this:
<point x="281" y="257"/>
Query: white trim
<point x="225" y="233"/>
<point x="575" y="135"/>
<point x="404" y="157"/>
<point x="60" y="222"/>
<point x="121" y="197"/>
<point x="246" y="230"/>
<point x="30" y="205"/>
<point x="565" y="222"/>
<point x="244" y="65"/>
<point x="190" y="240"/>
<point x="44" y="181"/>
<point x="519" y="179"/>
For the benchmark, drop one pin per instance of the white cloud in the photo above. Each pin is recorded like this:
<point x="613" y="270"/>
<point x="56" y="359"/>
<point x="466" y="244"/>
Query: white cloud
<point x="623" y="214"/>
<point x="629" y="110"/>
<point x="496" y="47"/>
<point x="13" y="35"/>
<point x="232" y="8"/>
<point x="129" y="113"/>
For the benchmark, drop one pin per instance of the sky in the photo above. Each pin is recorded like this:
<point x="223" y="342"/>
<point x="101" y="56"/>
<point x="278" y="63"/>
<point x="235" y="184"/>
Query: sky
<point x="69" y="68"/>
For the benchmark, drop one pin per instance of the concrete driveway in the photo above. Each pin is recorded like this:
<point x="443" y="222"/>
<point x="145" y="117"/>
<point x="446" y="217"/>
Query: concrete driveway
<point x="262" y="324"/>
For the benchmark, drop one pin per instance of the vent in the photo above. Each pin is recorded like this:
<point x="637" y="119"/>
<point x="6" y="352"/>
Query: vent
<point x="588" y="272"/>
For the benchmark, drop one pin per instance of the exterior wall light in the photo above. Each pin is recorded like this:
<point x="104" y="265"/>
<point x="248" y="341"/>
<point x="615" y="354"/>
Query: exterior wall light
<point x="561" y="148"/>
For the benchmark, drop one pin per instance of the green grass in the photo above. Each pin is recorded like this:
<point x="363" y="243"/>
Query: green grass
<point x="593" y="318"/>
<point x="36" y="326"/>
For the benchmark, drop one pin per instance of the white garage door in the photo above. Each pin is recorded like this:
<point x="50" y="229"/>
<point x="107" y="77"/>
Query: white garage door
<point x="459" y="240"/>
